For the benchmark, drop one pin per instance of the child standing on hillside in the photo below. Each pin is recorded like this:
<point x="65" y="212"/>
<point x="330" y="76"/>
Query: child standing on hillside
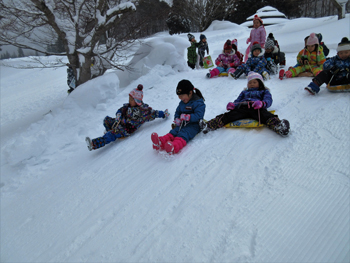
<point x="226" y="62"/>
<point x="190" y="111"/>
<point x="251" y="103"/>
<point x="256" y="62"/>
<point x="192" y="56"/>
<point x="310" y="59"/>
<point x="336" y="70"/>
<point x="257" y="34"/>
<point x="128" y="119"/>
<point x="202" y="47"/>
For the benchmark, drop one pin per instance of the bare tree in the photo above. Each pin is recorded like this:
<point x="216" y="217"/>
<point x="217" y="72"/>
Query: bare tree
<point x="81" y="25"/>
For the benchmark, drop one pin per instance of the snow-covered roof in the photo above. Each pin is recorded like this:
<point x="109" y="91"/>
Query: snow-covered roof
<point x="268" y="14"/>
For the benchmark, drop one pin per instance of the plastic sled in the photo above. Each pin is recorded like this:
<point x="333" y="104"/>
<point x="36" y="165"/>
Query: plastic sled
<point x="246" y="123"/>
<point x="208" y="62"/>
<point x="223" y="74"/>
<point x="339" y="88"/>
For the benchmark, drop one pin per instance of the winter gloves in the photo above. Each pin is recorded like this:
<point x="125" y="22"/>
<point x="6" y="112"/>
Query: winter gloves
<point x="163" y="114"/>
<point x="185" y="117"/>
<point x="230" y="106"/>
<point x="257" y="104"/>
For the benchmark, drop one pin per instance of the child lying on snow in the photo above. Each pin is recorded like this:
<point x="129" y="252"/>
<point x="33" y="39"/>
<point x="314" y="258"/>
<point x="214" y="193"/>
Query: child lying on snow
<point x="336" y="70"/>
<point x="128" y="119"/>
<point x="251" y="103"/>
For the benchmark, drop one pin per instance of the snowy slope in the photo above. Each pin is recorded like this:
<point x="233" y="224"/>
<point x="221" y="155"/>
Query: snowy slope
<point x="233" y="195"/>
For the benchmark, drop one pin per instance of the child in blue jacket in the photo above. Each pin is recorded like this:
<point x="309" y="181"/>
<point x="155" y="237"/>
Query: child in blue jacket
<point x="251" y="103"/>
<point x="256" y="62"/>
<point x="336" y="70"/>
<point x="128" y="119"/>
<point x="188" y="114"/>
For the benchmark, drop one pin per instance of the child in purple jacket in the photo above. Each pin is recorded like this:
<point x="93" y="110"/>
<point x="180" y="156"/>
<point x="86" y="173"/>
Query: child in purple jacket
<point x="251" y="103"/>
<point x="226" y="62"/>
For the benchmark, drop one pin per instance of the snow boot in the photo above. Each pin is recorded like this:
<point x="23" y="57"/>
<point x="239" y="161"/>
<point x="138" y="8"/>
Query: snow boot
<point x="312" y="88"/>
<point x="281" y="74"/>
<point x="174" y="146"/>
<point x="266" y="75"/>
<point x="159" y="142"/>
<point x="212" y="125"/>
<point x="94" y="143"/>
<point x="237" y="73"/>
<point x="281" y="127"/>
<point x="89" y="143"/>
<point x="156" y="142"/>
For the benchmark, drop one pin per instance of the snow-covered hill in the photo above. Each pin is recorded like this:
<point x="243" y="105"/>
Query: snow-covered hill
<point x="233" y="195"/>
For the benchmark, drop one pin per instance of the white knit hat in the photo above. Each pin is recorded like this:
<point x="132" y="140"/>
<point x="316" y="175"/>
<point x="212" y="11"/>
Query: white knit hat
<point x="344" y="44"/>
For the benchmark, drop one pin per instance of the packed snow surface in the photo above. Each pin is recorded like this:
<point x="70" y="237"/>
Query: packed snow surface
<point x="232" y="195"/>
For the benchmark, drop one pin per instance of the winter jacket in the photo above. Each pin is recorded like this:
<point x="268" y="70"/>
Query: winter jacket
<point x="196" y="108"/>
<point x="276" y="55"/>
<point x="256" y="64"/>
<point x="257" y="35"/>
<point x="131" y="118"/>
<point x="202" y="47"/>
<point x="228" y="60"/>
<point x="191" y="53"/>
<point x="335" y="63"/>
<point x="315" y="58"/>
<point x="255" y="94"/>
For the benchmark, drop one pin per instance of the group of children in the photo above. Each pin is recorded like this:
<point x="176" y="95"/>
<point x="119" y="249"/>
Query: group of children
<point x="192" y="56"/>
<point x="252" y="102"/>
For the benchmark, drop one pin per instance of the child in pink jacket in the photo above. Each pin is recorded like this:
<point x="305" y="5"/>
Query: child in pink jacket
<point x="228" y="61"/>
<point x="257" y="34"/>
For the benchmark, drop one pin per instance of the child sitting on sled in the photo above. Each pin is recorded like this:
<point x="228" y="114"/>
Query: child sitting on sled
<point x="310" y="59"/>
<point x="256" y="62"/>
<point x="251" y="103"/>
<point x="257" y="34"/>
<point x="190" y="111"/>
<point x="128" y="119"/>
<point x="273" y="55"/>
<point x="336" y="70"/>
<point x="226" y="62"/>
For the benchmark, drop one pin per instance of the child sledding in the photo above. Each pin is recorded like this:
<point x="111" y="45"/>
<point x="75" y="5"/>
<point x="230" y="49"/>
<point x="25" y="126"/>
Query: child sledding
<point x="336" y="71"/>
<point x="227" y="62"/>
<point x="128" y="119"/>
<point x="188" y="114"/>
<point x="256" y="62"/>
<point x="251" y="103"/>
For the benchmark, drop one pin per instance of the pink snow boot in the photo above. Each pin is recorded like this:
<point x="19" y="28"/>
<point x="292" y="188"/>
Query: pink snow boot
<point x="214" y="72"/>
<point x="159" y="142"/>
<point x="175" y="146"/>
<point x="281" y="74"/>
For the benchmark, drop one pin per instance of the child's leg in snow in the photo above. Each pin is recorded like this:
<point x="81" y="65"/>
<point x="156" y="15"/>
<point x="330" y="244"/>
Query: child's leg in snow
<point x="222" y="119"/>
<point x="316" y="70"/>
<point x="108" y="123"/>
<point x="297" y="70"/>
<point x="163" y="139"/>
<point x="106" y="139"/>
<point x="178" y="143"/>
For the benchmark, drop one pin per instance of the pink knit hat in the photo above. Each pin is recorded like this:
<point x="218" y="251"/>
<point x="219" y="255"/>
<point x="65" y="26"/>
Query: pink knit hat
<point x="254" y="75"/>
<point x="256" y="17"/>
<point x="312" y="40"/>
<point x="137" y="94"/>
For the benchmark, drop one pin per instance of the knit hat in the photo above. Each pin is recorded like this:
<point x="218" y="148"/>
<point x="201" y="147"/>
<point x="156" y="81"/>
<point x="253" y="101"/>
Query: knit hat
<point x="269" y="43"/>
<point x="312" y="40"/>
<point x="184" y="87"/>
<point x="228" y="45"/>
<point x="190" y="36"/>
<point x="255" y="46"/>
<point x="201" y="37"/>
<point x="271" y="36"/>
<point x="137" y="94"/>
<point x="254" y="75"/>
<point x="234" y="44"/>
<point x="256" y="17"/>
<point x="344" y="44"/>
